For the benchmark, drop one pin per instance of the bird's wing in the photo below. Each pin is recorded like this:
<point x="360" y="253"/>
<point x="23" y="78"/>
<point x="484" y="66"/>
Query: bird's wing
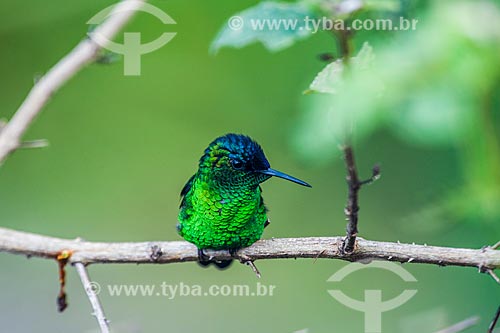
<point x="262" y="206"/>
<point x="185" y="190"/>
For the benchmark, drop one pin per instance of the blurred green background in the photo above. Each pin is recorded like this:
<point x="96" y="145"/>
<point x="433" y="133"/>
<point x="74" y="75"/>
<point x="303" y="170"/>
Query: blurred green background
<point x="122" y="147"/>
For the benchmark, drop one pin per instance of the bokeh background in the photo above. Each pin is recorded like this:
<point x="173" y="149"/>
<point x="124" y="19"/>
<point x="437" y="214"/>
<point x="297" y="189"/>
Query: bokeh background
<point x="121" y="148"/>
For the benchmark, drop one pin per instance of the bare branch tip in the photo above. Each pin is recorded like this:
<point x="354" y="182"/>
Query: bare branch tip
<point x="493" y="275"/>
<point x="41" y="143"/>
<point x="254" y="268"/>
<point x="493" y="323"/>
<point x="461" y="326"/>
<point x="89" y="288"/>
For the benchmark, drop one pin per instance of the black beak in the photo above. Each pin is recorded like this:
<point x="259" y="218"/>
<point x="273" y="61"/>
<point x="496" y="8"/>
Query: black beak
<point x="276" y="173"/>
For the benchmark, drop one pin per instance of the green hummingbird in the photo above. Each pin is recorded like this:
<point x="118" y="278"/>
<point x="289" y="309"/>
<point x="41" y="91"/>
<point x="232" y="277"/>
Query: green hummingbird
<point x="222" y="206"/>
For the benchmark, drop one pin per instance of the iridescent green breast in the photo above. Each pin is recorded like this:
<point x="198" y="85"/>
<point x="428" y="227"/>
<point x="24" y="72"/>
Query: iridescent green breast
<point x="221" y="217"/>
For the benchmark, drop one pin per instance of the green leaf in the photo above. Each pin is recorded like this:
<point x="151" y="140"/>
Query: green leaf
<point x="365" y="57"/>
<point x="428" y="86"/>
<point x="328" y="80"/>
<point x="276" y="25"/>
<point x="331" y="77"/>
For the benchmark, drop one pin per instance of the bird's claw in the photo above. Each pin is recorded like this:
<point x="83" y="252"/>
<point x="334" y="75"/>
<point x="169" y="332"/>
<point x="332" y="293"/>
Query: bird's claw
<point x="203" y="259"/>
<point x="234" y="253"/>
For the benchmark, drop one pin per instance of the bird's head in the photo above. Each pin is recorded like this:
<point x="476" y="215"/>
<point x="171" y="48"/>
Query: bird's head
<point x="237" y="159"/>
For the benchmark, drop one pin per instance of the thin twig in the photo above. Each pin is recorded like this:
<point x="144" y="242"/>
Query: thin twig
<point x="493" y="275"/>
<point x="84" y="53"/>
<point x="494" y="321"/>
<point x="11" y="133"/>
<point x="461" y="326"/>
<point x="278" y="248"/>
<point x="253" y="267"/>
<point x="354" y="184"/>
<point x="352" y="207"/>
<point x="344" y="44"/>
<point x="41" y="143"/>
<point x="94" y="300"/>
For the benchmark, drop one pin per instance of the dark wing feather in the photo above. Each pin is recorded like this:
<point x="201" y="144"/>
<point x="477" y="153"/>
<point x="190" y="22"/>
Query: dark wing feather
<point x="262" y="201"/>
<point x="185" y="190"/>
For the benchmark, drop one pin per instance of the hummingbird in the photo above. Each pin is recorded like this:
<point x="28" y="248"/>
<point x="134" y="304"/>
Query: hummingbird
<point x="221" y="204"/>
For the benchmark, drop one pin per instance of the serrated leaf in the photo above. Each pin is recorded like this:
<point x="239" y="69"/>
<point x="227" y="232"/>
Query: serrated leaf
<point x="365" y="57"/>
<point x="330" y="78"/>
<point x="276" y="25"/>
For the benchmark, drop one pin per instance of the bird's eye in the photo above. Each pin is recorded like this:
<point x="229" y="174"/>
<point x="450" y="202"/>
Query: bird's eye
<point x="237" y="164"/>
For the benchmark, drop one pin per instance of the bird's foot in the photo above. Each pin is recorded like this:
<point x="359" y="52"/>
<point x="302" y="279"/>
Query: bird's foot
<point x="234" y="253"/>
<point x="203" y="258"/>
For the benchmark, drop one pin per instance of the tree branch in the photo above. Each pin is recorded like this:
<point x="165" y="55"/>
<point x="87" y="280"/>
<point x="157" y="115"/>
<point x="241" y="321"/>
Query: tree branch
<point x="461" y="326"/>
<point x="352" y="207"/>
<point x="10" y="133"/>
<point x="94" y="300"/>
<point x="493" y="323"/>
<point x="84" y="53"/>
<point x="279" y="248"/>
